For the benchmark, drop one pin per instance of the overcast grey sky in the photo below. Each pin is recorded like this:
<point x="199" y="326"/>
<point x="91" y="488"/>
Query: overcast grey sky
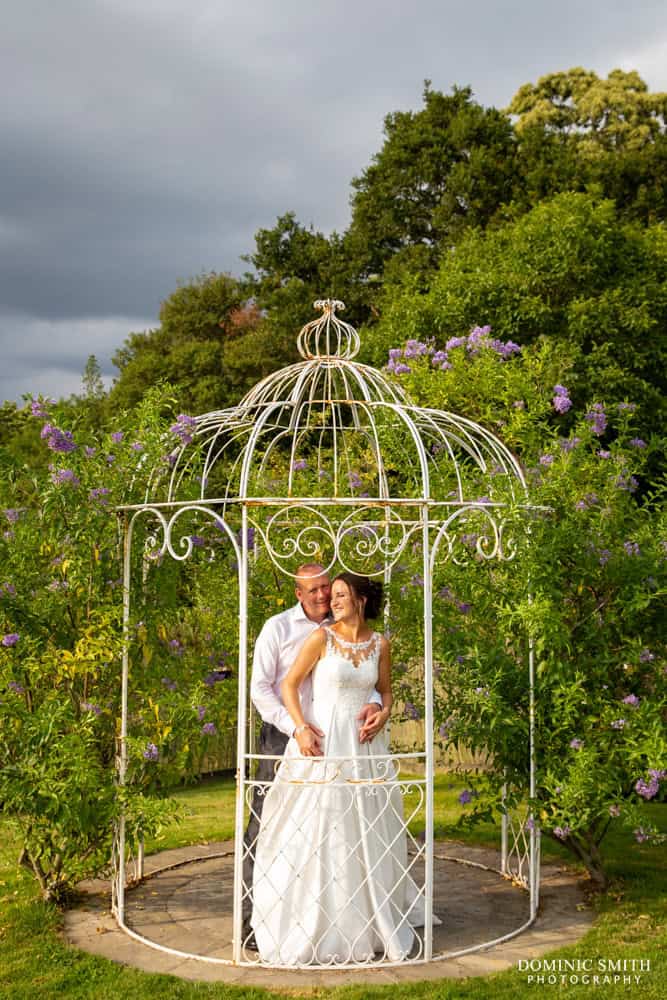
<point x="145" y="141"/>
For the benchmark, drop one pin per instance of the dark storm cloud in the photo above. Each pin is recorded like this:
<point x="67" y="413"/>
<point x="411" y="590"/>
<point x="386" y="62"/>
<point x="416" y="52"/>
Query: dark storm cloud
<point x="145" y="141"/>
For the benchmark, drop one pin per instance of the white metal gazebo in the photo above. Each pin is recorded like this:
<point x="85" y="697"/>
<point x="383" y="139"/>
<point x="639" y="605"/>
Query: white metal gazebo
<point x="283" y="471"/>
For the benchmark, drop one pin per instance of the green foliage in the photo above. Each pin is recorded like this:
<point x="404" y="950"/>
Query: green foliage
<point x="587" y="585"/>
<point x="441" y="170"/>
<point x="577" y="131"/>
<point x="60" y="658"/>
<point x="568" y="271"/>
<point x="197" y="323"/>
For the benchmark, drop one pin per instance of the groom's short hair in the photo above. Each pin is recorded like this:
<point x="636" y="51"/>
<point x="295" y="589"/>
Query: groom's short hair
<point x="307" y="570"/>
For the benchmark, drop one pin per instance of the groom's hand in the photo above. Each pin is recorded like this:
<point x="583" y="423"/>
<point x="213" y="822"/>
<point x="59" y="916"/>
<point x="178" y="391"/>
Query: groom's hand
<point x="309" y="741"/>
<point x="372" y="718"/>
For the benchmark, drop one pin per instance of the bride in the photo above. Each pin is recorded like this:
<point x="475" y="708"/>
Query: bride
<point x="331" y="881"/>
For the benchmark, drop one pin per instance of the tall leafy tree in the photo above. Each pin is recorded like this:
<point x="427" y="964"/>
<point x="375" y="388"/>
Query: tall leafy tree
<point x="576" y="129"/>
<point x="441" y="170"/>
<point x="188" y="348"/>
<point x="569" y="270"/>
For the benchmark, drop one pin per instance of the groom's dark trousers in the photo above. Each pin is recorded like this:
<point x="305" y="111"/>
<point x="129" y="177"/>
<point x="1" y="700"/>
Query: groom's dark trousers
<point x="271" y="742"/>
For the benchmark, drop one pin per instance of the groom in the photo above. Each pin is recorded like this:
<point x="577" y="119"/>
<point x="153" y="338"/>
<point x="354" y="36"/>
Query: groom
<point x="278" y="643"/>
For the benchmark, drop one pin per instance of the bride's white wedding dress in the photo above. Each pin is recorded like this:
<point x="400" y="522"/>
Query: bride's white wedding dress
<point x="332" y="883"/>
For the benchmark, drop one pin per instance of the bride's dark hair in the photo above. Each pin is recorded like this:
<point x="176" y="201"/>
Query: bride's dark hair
<point x="363" y="586"/>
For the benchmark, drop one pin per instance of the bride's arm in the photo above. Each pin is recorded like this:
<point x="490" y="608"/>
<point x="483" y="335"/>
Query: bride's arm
<point x="309" y="654"/>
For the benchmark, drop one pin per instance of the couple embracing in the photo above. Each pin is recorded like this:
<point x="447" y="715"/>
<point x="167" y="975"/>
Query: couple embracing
<point x="326" y="876"/>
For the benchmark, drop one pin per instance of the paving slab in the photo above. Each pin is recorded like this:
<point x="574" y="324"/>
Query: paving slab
<point x="187" y="907"/>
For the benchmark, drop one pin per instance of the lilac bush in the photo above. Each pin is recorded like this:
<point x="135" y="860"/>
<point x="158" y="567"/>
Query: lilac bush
<point x="61" y="643"/>
<point x="597" y="563"/>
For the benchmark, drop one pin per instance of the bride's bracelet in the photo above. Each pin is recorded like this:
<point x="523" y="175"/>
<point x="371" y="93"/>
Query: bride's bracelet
<point x="300" y="729"/>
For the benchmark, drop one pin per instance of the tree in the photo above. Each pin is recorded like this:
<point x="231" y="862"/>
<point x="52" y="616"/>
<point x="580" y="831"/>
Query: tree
<point x="441" y="170"/>
<point x="93" y="386"/>
<point x="570" y="271"/>
<point x="576" y="130"/>
<point x="197" y="322"/>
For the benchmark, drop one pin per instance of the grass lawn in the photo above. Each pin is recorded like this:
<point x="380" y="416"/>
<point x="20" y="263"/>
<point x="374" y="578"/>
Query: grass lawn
<point x="34" y="963"/>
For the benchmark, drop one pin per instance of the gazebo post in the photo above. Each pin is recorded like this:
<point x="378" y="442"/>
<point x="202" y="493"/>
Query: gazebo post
<point x="428" y="733"/>
<point x="122" y="756"/>
<point x="241" y="741"/>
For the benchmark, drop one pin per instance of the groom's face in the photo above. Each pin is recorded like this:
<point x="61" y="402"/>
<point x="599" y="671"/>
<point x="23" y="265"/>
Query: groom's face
<point x="314" y="593"/>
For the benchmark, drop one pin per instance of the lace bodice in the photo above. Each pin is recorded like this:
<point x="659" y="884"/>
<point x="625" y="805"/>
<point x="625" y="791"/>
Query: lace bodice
<point x="345" y="676"/>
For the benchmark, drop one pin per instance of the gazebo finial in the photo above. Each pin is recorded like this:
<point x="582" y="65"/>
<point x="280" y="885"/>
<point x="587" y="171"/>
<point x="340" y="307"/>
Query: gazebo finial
<point x="328" y="337"/>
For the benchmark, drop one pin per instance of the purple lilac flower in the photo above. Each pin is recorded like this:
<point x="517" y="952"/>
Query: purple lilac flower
<point x="597" y="418"/>
<point x="137" y="446"/>
<point x="455" y="342"/>
<point x="625" y="482"/>
<point x="463" y="607"/>
<point x="10" y="639"/>
<point x="89" y="706"/>
<point x="529" y="824"/>
<point x="646" y="656"/>
<point x="546" y="459"/>
<point x="169" y="684"/>
<point x="354" y="479"/>
<point x="411" y="711"/>
<point x="561" y="390"/>
<point x="201" y="712"/>
<point x="117" y="436"/>
<point x="38" y="408"/>
<point x="443" y="730"/>
<point x="647" y="790"/>
<point x="300" y="465"/>
<point x="7" y="590"/>
<point x="483" y="691"/>
<point x="61" y="476"/>
<point x="465" y="797"/>
<point x="151" y="752"/>
<point x="444" y="593"/>
<point x="395" y="353"/>
<point x="641" y="835"/>
<point x="176" y="646"/>
<point x="90" y="451"/>
<point x="16" y="687"/>
<point x="628" y="407"/>
<point x="99" y="494"/>
<point x="216" y="676"/>
<point x="631" y="548"/>
<point x="659" y="775"/>
<point x="58" y="585"/>
<point x="631" y="699"/>
<point x="209" y="729"/>
<point x="576" y="744"/>
<point x="581" y="505"/>
<point x="638" y="443"/>
<point x="618" y="724"/>
<point x="615" y="810"/>
<point x="438" y="357"/>
<point x="12" y="514"/>
<point x="197" y="541"/>
<point x="602" y="453"/>
<point x="184" y="427"/>
<point x="417" y="580"/>
<point x="8" y="535"/>
<point x="561" y="404"/>
<point x="414" y="349"/>
<point x="56" y="439"/>
<point x="562" y="832"/>
<point x="401" y="369"/>
<point x="569" y="444"/>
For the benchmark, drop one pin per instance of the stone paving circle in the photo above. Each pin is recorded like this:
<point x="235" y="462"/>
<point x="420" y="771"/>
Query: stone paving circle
<point x="188" y="907"/>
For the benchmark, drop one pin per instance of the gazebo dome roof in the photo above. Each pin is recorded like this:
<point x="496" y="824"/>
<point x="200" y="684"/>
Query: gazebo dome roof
<point x="331" y="429"/>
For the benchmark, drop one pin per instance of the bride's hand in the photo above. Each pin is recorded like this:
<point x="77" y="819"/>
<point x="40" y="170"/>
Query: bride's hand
<point x="308" y="740"/>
